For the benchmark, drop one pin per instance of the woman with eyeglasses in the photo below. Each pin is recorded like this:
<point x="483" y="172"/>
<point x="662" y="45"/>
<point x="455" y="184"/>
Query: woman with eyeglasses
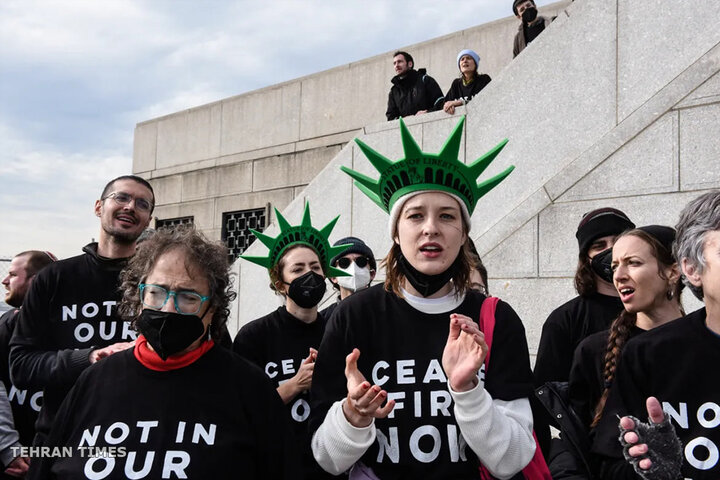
<point x="284" y="342"/>
<point x="176" y="405"/>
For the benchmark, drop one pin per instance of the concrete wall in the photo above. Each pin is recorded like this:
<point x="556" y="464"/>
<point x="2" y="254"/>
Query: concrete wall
<point x="266" y="146"/>
<point x="596" y="114"/>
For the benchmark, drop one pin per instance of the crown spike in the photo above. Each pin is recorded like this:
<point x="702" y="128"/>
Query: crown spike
<point x="335" y="251"/>
<point x="282" y="223"/>
<point x="378" y="161"/>
<point x="451" y="148"/>
<point x="372" y="195"/>
<point x="306" y="216"/>
<point x="360" y="178"/>
<point x="265" y="239"/>
<point x="335" y="272"/>
<point x="410" y="146"/>
<point x="262" y="261"/>
<point x="325" y="231"/>
<point x="479" y="165"/>
<point x="491" y="183"/>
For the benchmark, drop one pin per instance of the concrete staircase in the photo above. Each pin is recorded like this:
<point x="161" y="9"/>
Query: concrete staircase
<point x="616" y="104"/>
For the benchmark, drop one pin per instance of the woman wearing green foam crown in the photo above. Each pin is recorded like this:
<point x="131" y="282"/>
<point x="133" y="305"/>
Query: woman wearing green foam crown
<point x="284" y="342"/>
<point x="400" y="388"/>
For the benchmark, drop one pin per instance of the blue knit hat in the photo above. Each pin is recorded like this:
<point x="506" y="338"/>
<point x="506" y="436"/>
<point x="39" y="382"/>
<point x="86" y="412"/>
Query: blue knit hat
<point x="472" y="53"/>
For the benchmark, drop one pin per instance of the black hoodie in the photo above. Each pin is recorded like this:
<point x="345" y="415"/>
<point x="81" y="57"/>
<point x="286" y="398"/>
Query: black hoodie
<point x="69" y="311"/>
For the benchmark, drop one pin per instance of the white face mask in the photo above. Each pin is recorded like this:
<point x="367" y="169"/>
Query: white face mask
<point x="359" y="280"/>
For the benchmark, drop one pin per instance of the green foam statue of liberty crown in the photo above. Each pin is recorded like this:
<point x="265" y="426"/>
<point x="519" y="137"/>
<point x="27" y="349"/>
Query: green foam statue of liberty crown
<point x="427" y="171"/>
<point x="303" y="234"/>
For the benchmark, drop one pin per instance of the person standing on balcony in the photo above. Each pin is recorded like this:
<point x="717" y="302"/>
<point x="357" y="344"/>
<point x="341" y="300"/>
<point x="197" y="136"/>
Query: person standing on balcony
<point x="469" y="84"/>
<point x="414" y="92"/>
<point x="531" y="25"/>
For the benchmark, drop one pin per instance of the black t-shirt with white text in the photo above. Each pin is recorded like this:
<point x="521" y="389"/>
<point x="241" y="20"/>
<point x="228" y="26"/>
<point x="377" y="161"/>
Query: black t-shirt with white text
<point x="218" y="417"/>
<point x="678" y="364"/>
<point x="25" y="403"/>
<point x="278" y="343"/>
<point x="401" y="351"/>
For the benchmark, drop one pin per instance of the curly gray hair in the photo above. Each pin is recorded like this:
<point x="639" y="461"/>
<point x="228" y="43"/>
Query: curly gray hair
<point x="699" y="216"/>
<point x="208" y="257"/>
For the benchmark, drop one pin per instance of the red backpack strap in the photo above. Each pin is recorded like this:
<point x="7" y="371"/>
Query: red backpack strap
<point x="487" y="323"/>
<point x="537" y="469"/>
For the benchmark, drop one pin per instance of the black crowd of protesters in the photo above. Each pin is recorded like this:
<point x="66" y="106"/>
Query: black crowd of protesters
<point x="118" y="363"/>
<point x="129" y="346"/>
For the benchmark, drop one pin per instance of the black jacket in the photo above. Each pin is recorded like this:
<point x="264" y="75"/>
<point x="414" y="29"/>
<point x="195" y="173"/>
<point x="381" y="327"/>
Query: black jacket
<point x="458" y="91"/>
<point x="569" y="457"/>
<point x="416" y="91"/>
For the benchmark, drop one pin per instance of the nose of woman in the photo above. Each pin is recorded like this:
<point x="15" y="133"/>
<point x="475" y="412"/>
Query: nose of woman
<point x="430" y="227"/>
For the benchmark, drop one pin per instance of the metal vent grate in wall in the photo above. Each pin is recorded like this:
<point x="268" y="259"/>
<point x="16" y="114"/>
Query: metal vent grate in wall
<point x="173" y="222"/>
<point x="236" y="229"/>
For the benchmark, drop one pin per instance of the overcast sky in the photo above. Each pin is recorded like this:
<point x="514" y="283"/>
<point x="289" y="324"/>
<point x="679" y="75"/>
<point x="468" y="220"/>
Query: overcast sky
<point x="76" y="76"/>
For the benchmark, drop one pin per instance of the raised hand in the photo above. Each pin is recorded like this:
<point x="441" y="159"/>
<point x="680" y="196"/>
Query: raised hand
<point x="464" y="353"/>
<point x="364" y="401"/>
<point x="301" y="381"/>
<point x="303" y="378"/>
<point x="652" y="448"/>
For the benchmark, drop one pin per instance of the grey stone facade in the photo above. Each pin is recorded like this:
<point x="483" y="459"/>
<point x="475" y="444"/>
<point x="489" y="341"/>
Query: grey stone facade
<point x="608" y="107"/>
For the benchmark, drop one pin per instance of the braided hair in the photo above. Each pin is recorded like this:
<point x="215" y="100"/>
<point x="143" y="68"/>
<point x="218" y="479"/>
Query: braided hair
<point x="622" y="326"/>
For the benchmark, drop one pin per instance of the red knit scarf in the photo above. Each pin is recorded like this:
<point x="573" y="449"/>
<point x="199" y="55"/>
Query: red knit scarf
<point x="150" y="358"/>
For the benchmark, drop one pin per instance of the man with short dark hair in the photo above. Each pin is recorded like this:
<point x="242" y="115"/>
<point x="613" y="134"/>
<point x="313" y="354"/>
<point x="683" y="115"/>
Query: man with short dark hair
<point x="18" y="408"/>
<point x="68" y="320"/>
<point x="414" y="92"/>
<point x="531" y="25"/>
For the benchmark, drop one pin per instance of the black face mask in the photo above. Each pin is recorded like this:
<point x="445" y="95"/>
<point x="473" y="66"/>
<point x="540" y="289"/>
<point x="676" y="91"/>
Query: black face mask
<point x="529" y="15"/>
<point x="425" y="284"/>
<point x="169" y="332"/>
<point x="307" y="290"/>
<point x="601" y="264"/>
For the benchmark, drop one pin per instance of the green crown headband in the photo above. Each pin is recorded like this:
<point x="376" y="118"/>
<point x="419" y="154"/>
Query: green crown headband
<point x="303" y="234"/>
<point x="420" y="171"/>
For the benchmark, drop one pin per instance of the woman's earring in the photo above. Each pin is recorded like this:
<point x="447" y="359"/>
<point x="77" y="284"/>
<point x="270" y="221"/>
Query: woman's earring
<point x="671" y="292"/>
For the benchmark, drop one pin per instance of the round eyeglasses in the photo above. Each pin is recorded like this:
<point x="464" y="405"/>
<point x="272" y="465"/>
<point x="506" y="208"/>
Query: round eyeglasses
<point x="187" y="302"/>
<point x="345" y="262"/>
<point x="122" y="198"/>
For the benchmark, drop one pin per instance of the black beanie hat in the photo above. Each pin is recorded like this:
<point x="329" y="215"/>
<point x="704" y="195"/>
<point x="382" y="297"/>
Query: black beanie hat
<point x="661" y="233"/>
<point x="601" y="223"/>
<point x="516" y="3"/>
<point x="357" y="246"/>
